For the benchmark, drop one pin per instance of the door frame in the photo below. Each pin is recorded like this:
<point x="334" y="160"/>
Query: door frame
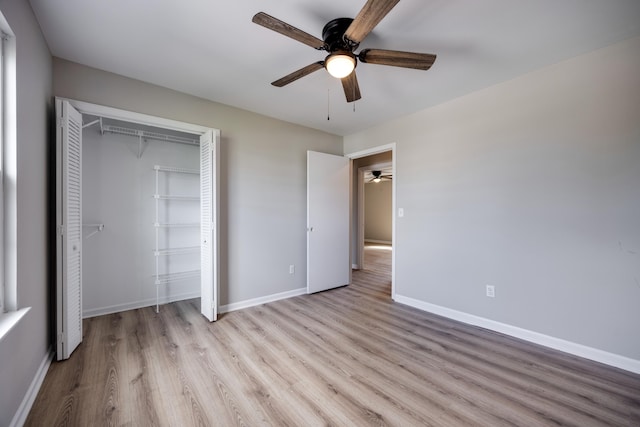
<point x="160" y="122"/>
<point x="365" y="153"/>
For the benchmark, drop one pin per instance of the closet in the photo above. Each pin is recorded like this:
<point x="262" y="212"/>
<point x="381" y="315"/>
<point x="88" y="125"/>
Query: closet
<point x="141" y="185"/>
<point x="147" y="229"/>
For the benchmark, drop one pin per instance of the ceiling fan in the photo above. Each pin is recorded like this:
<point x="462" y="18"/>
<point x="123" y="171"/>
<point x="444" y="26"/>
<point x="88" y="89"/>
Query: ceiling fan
<point x="341" y="37"/>
<point x="379" y="176"/>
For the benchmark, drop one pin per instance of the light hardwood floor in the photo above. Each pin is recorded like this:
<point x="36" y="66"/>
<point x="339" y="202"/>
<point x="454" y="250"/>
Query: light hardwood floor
<point x="344" y="357"/>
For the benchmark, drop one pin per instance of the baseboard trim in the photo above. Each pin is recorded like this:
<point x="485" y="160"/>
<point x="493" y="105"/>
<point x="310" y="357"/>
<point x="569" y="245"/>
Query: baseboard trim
<point x="355" y="267"/>
<point x="575" y="349"/>
<point x="27" y="402"/>
<point x="380" y="242"/>
<point x="262" y="300"/>
<point x="222" y="309"/>
<point x="100" y="311"/>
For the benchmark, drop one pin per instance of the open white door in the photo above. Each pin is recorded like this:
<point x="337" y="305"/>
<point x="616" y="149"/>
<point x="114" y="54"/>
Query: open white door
<point x="209" y="143"/>
<point x="69" y="224"/>
<point x="328" y="262"/>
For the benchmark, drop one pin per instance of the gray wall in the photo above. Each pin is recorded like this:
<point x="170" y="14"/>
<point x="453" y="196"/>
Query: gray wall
<point x="377" y="211"/>
<point x="26" y="346"/>
<point x="533" y="186"/>
<point x="263" y="176"/>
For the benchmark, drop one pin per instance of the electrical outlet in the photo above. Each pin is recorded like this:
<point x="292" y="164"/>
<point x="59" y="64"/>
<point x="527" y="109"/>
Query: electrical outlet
<point x="491" y="291"/>
<point x="292" y="269"/>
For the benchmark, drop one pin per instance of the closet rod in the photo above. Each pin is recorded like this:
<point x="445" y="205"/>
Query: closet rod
<point x="149" y="135"/>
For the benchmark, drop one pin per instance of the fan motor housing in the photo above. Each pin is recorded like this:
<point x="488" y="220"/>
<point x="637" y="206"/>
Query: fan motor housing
<point x="333" y="35"/>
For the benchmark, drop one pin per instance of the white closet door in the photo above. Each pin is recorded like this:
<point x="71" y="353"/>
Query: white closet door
<point x="69" y="222"/>
<point x="209" y="143"/>
<point x="328" y="262"/>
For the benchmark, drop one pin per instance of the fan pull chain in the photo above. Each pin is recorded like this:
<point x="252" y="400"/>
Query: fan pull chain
<point x="328" y="104"/>
<point x="354" y="97"/>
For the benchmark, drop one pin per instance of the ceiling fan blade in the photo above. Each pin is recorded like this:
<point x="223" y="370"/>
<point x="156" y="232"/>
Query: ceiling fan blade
<point x="396" y="58"/>
<point x="298" y="74"/>
<point x="283" y="28"/>
<point x="370" y="15"/>
<point x="351" y="88"/>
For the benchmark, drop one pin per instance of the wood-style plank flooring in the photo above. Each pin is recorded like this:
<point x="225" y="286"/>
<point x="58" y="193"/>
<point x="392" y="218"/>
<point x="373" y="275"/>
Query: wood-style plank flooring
<point x="346" y="357"/>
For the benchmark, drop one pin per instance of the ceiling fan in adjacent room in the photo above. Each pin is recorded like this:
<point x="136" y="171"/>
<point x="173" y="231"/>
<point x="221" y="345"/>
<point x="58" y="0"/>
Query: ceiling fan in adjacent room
<point x="377" y="176"/>
<point x="341" y="37"/>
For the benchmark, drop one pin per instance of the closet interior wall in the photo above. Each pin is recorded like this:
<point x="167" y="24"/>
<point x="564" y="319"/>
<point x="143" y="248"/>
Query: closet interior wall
<point x="118" y="187"/>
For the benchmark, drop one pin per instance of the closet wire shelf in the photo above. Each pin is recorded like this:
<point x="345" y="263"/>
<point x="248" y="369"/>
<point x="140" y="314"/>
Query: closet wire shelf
<point x="177" y="170"/>
<point x="176" y="225"/>
<point x="163" y="279"/>
<point x="177" y="251"/>
<point x="170" y="197"/>
<point x="149" y="135"/>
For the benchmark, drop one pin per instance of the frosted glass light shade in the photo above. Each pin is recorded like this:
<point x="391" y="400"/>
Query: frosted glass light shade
<point x="340" y="65"/>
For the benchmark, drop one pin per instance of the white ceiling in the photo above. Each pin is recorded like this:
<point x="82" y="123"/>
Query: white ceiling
<point x="211" y="49"/>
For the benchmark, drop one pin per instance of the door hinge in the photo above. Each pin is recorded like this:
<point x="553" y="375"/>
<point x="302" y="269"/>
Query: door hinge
<point x="61" y="229"/>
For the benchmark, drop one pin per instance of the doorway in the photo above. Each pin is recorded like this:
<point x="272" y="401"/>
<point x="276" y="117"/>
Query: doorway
<point x="366" y="165"/>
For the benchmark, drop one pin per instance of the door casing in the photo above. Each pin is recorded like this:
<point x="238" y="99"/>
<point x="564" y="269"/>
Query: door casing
<point x="394" y="243"/>
<point x="144" y="119"/>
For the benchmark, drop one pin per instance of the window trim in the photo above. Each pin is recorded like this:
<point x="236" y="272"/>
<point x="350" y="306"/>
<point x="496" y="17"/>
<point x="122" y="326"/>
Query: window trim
<point x="9" y="313"/>
<point x="2" y="137"/>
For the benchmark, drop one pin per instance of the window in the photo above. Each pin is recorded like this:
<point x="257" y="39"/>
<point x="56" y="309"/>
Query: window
<point x="3" y="36"/>
<point x="9" y="313"/>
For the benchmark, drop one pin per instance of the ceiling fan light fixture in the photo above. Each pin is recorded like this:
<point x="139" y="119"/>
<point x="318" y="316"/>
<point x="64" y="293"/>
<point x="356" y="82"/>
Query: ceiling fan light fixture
<point x="340" y="64"/>
<point x="376" y="180"/>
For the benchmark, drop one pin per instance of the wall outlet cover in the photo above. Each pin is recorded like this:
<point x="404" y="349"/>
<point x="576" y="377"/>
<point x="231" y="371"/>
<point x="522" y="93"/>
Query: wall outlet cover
<point x="491" y="291"/>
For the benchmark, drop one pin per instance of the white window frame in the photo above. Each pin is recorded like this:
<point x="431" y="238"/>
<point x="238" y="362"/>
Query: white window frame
<point x="10" y="315"/>
<point x="2" y="137"/>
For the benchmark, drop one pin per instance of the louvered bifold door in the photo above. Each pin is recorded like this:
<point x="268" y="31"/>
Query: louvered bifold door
<point x="208" y="225"/>
<point x="69" y="233"/>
